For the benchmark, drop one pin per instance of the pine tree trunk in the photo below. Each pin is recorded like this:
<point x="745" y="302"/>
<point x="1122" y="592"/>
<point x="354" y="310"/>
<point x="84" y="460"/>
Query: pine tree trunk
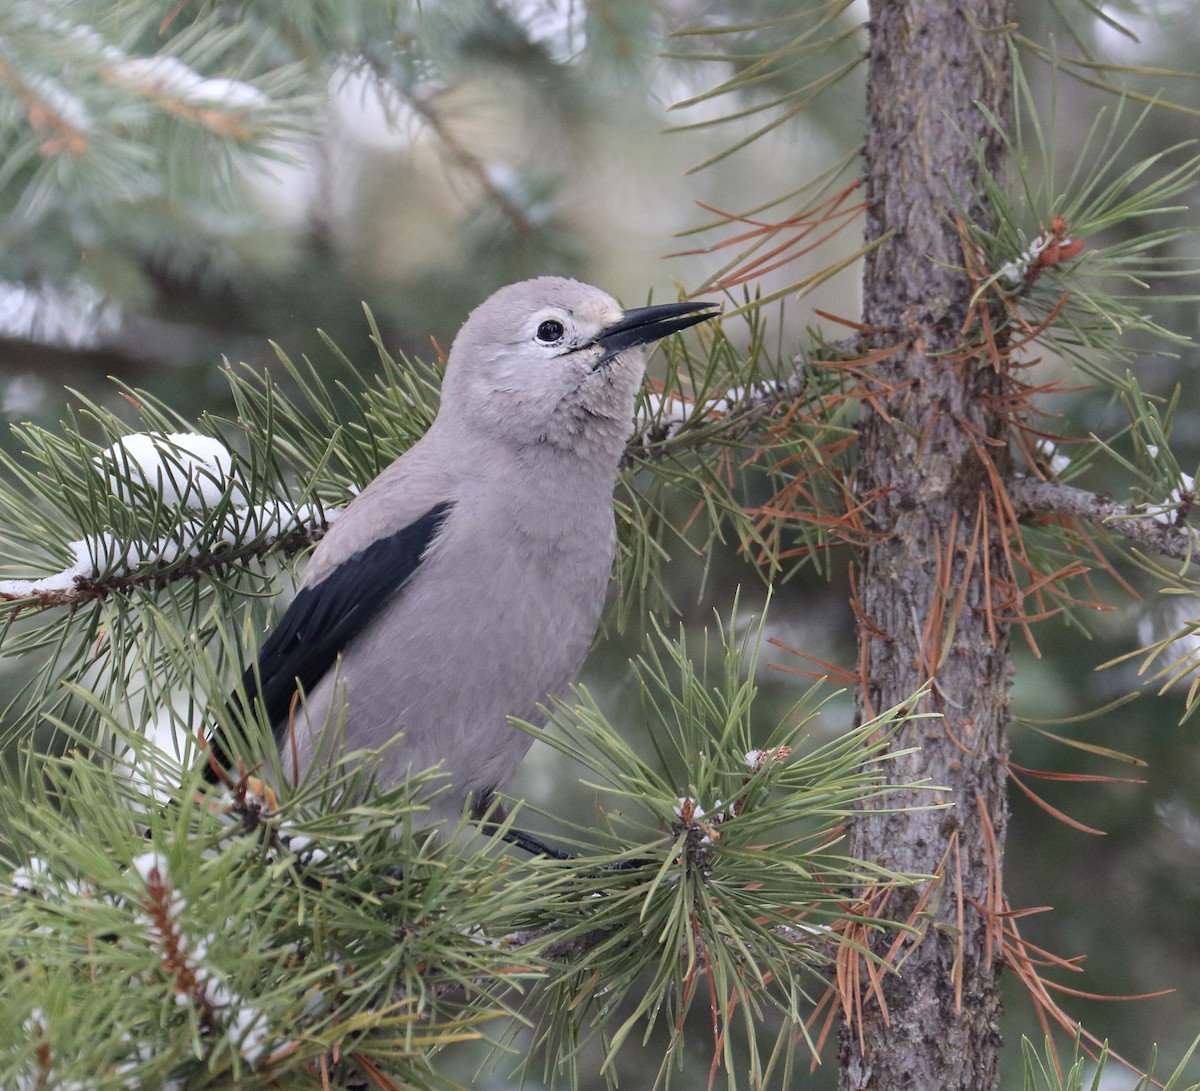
<point x="930" y="62"/>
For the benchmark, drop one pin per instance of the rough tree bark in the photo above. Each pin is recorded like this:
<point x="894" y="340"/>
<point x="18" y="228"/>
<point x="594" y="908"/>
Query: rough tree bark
<point x="923" y="584"/>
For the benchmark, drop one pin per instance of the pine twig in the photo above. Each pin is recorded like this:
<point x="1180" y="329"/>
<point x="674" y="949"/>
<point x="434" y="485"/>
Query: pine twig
<point x="1173" y="539"/>
<point x="85" y="589"/>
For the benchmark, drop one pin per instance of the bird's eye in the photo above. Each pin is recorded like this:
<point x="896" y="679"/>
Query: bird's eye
<point x="550" y="331"/>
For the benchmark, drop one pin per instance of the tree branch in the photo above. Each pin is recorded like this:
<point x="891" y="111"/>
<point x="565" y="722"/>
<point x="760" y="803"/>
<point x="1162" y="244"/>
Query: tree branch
<point x="1173" y="539"/>
<point x="153" y="574"/>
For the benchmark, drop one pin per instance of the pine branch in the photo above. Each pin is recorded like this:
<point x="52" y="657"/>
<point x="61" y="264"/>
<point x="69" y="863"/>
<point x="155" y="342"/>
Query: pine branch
<point x="82" y="589"/>
<point x="35" y="594"/>
<point x="1170" y="537"/>
<point x="293" y="937"/>
<point x="570" y="946"/>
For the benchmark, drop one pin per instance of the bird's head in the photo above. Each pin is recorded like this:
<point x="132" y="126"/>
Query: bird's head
<point x="554" y="361"/>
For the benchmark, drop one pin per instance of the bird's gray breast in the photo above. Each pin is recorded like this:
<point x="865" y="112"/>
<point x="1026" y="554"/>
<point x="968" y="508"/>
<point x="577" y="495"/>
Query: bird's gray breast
<point x="499" y="615"/>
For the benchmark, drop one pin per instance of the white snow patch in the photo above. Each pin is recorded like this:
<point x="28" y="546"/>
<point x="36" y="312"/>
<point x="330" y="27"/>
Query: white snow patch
<point x="68" y="107"/>
<point x="661" y="416"/>
<point x="82" y="566"/>
<point x="158" y="769"/>
<point x="302" y="846"/>
<point x="1176" y="500"/>
<point x="183" y="468"/>
<point x="25" y="878"/>
<point x="170" y="77"/>
<point x="249" y="1029"/>
<point x="148" y="863"/>
<point x="693" y="813"/>
<point x="1057" y="461"/>
<point x="1016" y="271"/>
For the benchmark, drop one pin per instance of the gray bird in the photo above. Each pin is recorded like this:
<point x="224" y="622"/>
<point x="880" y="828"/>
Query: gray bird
<point x="465" y="583"/>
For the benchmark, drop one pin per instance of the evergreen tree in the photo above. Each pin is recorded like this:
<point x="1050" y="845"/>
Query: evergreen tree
<point x="746" y="882"/>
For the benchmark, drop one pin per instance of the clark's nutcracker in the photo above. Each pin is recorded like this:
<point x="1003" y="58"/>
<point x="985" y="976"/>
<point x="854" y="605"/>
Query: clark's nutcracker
<point x="464" y="585"/>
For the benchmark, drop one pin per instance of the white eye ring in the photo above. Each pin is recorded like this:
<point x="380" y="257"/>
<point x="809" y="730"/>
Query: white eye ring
<point x="550" y="331"/>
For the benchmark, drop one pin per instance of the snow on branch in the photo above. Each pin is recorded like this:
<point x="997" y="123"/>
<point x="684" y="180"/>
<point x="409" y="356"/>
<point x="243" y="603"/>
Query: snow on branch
<point x="1165" y="532"/>
<point x="219" y="105"/>
<point x="183" y="960"/>
<point x="168" y="76"/>
<point x="191" y="473"/>
<point x="661" y="416"/>
<point x="60" y="114"/>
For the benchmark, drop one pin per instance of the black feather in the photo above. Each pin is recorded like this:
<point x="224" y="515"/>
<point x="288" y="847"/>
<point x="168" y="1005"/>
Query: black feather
<point x="323" y="619"/>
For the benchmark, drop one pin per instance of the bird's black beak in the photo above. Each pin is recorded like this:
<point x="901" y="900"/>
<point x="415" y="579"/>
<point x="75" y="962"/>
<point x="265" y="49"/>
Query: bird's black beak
<point x="641" y="325"/>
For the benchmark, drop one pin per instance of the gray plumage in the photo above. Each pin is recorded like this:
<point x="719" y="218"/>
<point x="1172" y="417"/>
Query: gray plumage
<point x="465" y="583"/>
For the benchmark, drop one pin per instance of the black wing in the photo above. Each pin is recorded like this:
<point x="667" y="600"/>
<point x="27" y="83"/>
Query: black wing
<point x="324" y="618"/>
